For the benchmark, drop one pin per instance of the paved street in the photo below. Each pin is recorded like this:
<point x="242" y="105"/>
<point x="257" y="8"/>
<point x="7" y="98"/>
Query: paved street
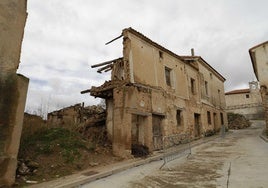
<point x="238" y="160"/>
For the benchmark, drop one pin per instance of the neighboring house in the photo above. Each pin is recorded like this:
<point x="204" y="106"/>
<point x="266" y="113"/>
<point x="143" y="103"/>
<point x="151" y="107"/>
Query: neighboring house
<point x="65" y="117"/>
<point x="76" y="115"/>
<point x="259" y="59"/>
<point x="154" y="93"/>
<point x="247" y="102"/>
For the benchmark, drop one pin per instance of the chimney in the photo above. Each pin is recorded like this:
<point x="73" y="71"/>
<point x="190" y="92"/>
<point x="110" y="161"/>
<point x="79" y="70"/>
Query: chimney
<point x="192" y="52"/>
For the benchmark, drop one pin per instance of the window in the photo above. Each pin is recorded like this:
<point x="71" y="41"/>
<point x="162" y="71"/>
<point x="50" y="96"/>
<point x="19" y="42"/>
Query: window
<point x="247" y="96"/>
<point x="160" y="55"/>
<point x="222" y="120"/>
<point x="209" y="117"/>
<point x="168" y="76"/>
<point x="206" y="87"/>
<point x="179" y="117"/>
<point x="193" y="90"/>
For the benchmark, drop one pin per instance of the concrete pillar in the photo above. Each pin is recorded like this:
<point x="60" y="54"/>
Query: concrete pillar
<point x="13" y="87"/>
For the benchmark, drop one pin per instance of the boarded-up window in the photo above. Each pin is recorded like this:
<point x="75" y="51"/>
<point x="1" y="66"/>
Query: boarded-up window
<point x="209" y="117"/>
<point x="168" y="76"/>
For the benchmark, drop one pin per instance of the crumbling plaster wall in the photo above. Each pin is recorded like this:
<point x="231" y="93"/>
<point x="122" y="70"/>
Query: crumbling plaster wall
<point x="13" y="87"/>
<point x="215" y="88"/>
<point x="248" y="104"/>
<point x="147" y="67"/>
<point x="260" y="54"/>
<point x="259" y="58"/>
<point x="149" y="95"/>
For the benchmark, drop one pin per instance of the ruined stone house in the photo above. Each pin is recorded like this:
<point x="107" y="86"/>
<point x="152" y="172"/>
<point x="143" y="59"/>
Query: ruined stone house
<point x="247" y="102"/>
<point x="76" y="115"/>
<point x="259" y="59"/>
<point x="154" y="93"/>
<point x="13" y="86"/>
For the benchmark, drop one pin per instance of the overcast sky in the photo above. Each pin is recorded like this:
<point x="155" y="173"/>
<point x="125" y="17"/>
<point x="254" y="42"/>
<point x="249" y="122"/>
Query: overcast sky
<point x="63" y="38"/>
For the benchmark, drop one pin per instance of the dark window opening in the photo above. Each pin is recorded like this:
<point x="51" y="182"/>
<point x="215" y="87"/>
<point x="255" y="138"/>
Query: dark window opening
<point x="209" y="117"/>
<point x="179" y="117"/>
<point x="160" y="54"/>
<point x="206" y="87"/>
<point x="247" y="96"/>
<point x="222" y="120"/>
<point x="168" y="76"/>
<point x="193" y="86"/>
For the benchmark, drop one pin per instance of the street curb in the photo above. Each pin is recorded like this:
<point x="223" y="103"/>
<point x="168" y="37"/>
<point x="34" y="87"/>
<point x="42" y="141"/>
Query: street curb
<point x="76" y="180"/>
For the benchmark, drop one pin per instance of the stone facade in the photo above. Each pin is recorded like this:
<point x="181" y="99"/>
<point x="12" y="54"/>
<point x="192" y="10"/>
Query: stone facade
<point x="154" y="93"/>
<point x="13" y="87"/>
<point x="77" y="116"/>
<point x="259" y="59"/>
<point x="247" y="102"/>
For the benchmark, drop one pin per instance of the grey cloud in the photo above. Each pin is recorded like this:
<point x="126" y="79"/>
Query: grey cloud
<point x="64" y="38"/>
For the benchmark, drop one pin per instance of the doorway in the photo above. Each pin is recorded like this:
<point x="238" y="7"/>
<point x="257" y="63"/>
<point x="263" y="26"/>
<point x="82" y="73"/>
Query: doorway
<point x="137" y="129"/>
<point x="157" y="132"/>
<point x="197" y="125"/>
<point x="215" y="121"/>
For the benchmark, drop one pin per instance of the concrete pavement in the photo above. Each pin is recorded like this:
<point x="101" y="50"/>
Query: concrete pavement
<point x="238" y="160"/>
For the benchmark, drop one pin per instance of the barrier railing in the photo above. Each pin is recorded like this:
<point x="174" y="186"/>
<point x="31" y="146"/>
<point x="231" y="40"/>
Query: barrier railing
<point x="171" y="149"/>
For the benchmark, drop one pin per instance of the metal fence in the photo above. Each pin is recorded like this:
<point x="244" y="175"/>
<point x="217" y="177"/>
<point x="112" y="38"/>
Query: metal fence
<point x="175" y="146"/>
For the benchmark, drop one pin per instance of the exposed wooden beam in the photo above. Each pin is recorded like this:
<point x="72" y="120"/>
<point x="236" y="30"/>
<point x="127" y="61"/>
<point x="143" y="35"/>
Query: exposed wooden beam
<point x="114" y="39"/>
<point x="85" y="91"/>
<point x="104" y="68"/>
<point x="104" y="63"/>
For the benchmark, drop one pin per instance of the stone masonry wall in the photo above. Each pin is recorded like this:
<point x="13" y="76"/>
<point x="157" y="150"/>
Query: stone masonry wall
<point x="13" y="87"/>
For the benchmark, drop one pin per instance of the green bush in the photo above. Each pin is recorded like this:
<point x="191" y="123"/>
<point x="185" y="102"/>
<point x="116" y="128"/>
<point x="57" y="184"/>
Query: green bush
<point x="60" y="140"/>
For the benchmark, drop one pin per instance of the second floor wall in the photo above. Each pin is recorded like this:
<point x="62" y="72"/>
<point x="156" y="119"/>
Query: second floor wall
<point x="151" y="64"/>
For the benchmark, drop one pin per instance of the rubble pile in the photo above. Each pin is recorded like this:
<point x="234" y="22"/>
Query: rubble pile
<point x="94" y="116"/>
<point x="94" y="128"/>
<point x="237" y="121"/>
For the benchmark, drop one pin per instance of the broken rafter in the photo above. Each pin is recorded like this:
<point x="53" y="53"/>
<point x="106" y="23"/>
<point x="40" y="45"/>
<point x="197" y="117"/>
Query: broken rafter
<point x="105" y="63"/>
<point x="114" y="39"/>
<point x="85" y="91"/>
<point x="104" y="68"/>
